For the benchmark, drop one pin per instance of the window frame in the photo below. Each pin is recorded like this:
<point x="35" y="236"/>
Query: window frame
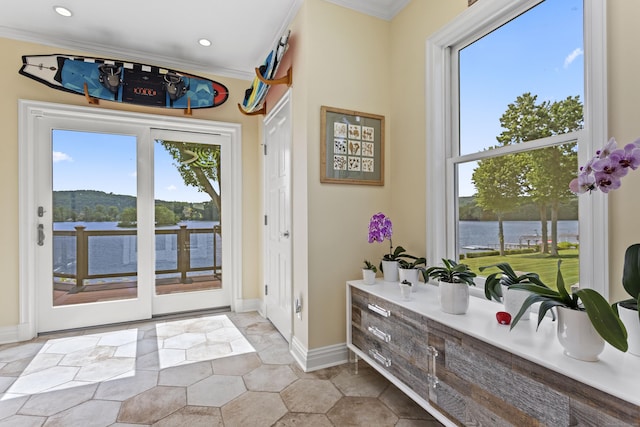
<point x="442" y="131"/>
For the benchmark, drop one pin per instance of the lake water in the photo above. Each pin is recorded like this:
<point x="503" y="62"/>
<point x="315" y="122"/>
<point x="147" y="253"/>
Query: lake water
<point x="118" y="254"/>
<point x="484" y="234"/>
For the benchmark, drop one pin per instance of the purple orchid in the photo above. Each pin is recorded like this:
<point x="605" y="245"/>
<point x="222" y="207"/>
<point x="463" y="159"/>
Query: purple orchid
<point x="606" y="169"/>
<point x="380" y="228"/>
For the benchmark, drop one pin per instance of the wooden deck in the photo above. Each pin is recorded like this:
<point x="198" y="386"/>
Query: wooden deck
<point x="66" y="294"/>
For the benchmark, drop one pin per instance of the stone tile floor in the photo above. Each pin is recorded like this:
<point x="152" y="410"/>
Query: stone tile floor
<point x="231" y="369"/>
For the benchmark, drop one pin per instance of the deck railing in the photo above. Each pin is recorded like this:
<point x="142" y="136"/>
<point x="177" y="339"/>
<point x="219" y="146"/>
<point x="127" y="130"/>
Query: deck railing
<point x="183" y="248"/>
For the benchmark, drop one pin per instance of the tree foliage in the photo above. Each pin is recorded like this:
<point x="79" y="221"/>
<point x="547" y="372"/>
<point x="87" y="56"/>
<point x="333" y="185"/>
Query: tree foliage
<point x="202" y="172"/>
<point x="542" y="175"/>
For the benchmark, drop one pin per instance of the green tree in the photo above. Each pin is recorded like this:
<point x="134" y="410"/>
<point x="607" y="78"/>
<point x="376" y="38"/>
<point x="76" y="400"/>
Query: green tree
<point x="198" y="165"/>
<point x="547" y="171"/>
<point x="165" y="216"/>
<point x="498" y="182"/>
<point x="128" y="217"/>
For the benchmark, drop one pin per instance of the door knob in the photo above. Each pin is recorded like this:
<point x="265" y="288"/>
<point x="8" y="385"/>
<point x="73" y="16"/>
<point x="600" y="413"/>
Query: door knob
<point x="285" y="234"/>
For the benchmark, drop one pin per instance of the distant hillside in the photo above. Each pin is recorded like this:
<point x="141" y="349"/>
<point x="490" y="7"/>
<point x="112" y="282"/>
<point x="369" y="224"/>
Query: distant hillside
<point x="80" y="199"/>
<point x="470" y="211"/>
<point x="91" y="205"/>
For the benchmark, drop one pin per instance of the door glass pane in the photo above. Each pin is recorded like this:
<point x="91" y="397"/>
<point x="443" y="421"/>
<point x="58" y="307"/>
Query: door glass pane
<point x="94" y="217"/>
<point x="187" y="217"/>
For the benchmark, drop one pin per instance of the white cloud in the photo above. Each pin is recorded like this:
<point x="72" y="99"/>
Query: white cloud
<point x="572" y="57"/>
<point x="172" y="188"/>
<point x="59" y="156"/>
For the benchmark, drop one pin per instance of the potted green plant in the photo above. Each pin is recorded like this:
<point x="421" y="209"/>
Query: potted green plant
<point x="628" y="308"/>
<point x="498" y="286"/>
<point x="454" y="280"/>
<point x="410" y="266"/>
<point x="369" y="273"/>
<point x="585" y="318"/>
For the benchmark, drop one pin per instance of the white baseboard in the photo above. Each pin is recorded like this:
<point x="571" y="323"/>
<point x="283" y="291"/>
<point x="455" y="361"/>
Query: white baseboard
<point x="244" y="305"/>
<point x="319" y="358"/>
<point x="15" y="333"/>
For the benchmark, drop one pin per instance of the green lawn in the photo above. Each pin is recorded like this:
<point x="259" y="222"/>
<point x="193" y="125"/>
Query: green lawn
<point x="544" y="265"/>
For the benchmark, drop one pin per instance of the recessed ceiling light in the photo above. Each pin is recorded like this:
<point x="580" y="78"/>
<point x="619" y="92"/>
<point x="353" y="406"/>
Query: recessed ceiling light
<point x="204" y="42"/>
<point x="63" y="11"/>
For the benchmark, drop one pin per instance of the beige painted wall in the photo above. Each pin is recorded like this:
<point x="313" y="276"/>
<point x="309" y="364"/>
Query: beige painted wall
<point x="17" y="87"/>
<point x="409" y="32"/>
<point x="347" y="67"/>
<point x="624" y="89"/>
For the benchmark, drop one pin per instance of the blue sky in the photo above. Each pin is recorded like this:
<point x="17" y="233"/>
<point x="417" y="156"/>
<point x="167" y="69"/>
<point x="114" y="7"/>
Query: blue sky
<point x="107" y="162"/>
<point x="541" y="52"/>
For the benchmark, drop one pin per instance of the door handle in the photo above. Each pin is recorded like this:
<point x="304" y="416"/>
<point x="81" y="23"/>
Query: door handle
<point x="285" y="234"/>
<point x="40" y="235"/>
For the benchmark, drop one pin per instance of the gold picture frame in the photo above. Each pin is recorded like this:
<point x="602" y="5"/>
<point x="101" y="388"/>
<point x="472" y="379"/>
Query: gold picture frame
<point x="351" y="147"/>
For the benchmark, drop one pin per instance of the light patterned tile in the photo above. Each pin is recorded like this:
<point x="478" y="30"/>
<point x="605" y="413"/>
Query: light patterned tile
<point x="311" y="395"/>
<point x="269" y="378"/>
<point x="87" y="356"/>
<point x="125" y="388"/>
<point x="361" y="411"/>
<point x="94" y="413"/>
<point x="52" y="402"/>
<point x="185" y="375"/>
<point x="184" y="341"/>
<point x="43" y="380"/>
<point x="23" y="421"/>
<point x="69" y="345"/>
<point x="42" y="361"/>
<point x="105" y="369"/>
<point x="254" y="409"/>
<point x="152" y="405"/>
<point x="209" y="351"/>
<point x="20" y="351"/>
<point x="118" y="338"/>
<point x="215" y="391"/>
<point x="10" y="406"/>
<point x="193" y="416"/>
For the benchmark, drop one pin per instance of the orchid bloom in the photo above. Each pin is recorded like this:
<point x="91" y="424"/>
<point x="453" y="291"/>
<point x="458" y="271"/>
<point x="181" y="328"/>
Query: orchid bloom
<point x="606" y="169"/>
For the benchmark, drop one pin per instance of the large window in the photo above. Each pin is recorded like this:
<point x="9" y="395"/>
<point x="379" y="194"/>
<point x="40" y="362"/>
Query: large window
<point x="511" y="112"/>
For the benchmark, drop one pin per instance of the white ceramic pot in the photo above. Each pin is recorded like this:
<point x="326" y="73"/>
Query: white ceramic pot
<point x="578" y="336"/>
<point x="513" y="300"/>
<point x="369" y="276"/>
<point x="632" y="323"/>
<point x="410" y="275"/>
<point x="390" y="271"/>
<point x="454" y="297"/>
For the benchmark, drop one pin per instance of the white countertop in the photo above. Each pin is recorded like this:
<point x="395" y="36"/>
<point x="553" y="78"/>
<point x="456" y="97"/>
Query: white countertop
<point x="616" y="373"/>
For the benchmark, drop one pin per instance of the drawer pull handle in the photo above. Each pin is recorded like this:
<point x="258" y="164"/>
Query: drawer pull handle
<point x="432" y="377"/>
<point x="380" y="358"/>
<point x="379" y="334"/>
<point x="377" y="309"/>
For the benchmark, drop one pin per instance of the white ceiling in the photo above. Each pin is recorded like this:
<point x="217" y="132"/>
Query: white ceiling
<point x="165" y="32"/>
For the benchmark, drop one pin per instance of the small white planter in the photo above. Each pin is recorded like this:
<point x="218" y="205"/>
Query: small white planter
<point x="454" y="297"/>
<point x="578" y="336"/>
<point x="513" y="300"/>
<point x="369" y="276"/>
<point x="632" y="323"/>
<point x="390" y="271"/>
<point x="405" y="291"/>
<point x="410" y="275"/>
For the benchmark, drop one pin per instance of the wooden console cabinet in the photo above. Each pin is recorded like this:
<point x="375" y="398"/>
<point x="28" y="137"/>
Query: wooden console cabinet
<point x="468" y="370"/>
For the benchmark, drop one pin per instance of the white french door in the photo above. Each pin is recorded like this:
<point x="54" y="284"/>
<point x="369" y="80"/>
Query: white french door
<point x="126" y="220"/>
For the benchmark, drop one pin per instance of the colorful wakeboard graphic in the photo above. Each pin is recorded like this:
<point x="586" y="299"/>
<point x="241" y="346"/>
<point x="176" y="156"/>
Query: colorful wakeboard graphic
<point x="122" y="81"/>
<point x="256" y="94"/>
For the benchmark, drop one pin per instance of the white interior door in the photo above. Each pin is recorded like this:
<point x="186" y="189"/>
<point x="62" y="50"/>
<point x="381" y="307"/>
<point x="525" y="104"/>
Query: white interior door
<point x="278" y="267"/>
